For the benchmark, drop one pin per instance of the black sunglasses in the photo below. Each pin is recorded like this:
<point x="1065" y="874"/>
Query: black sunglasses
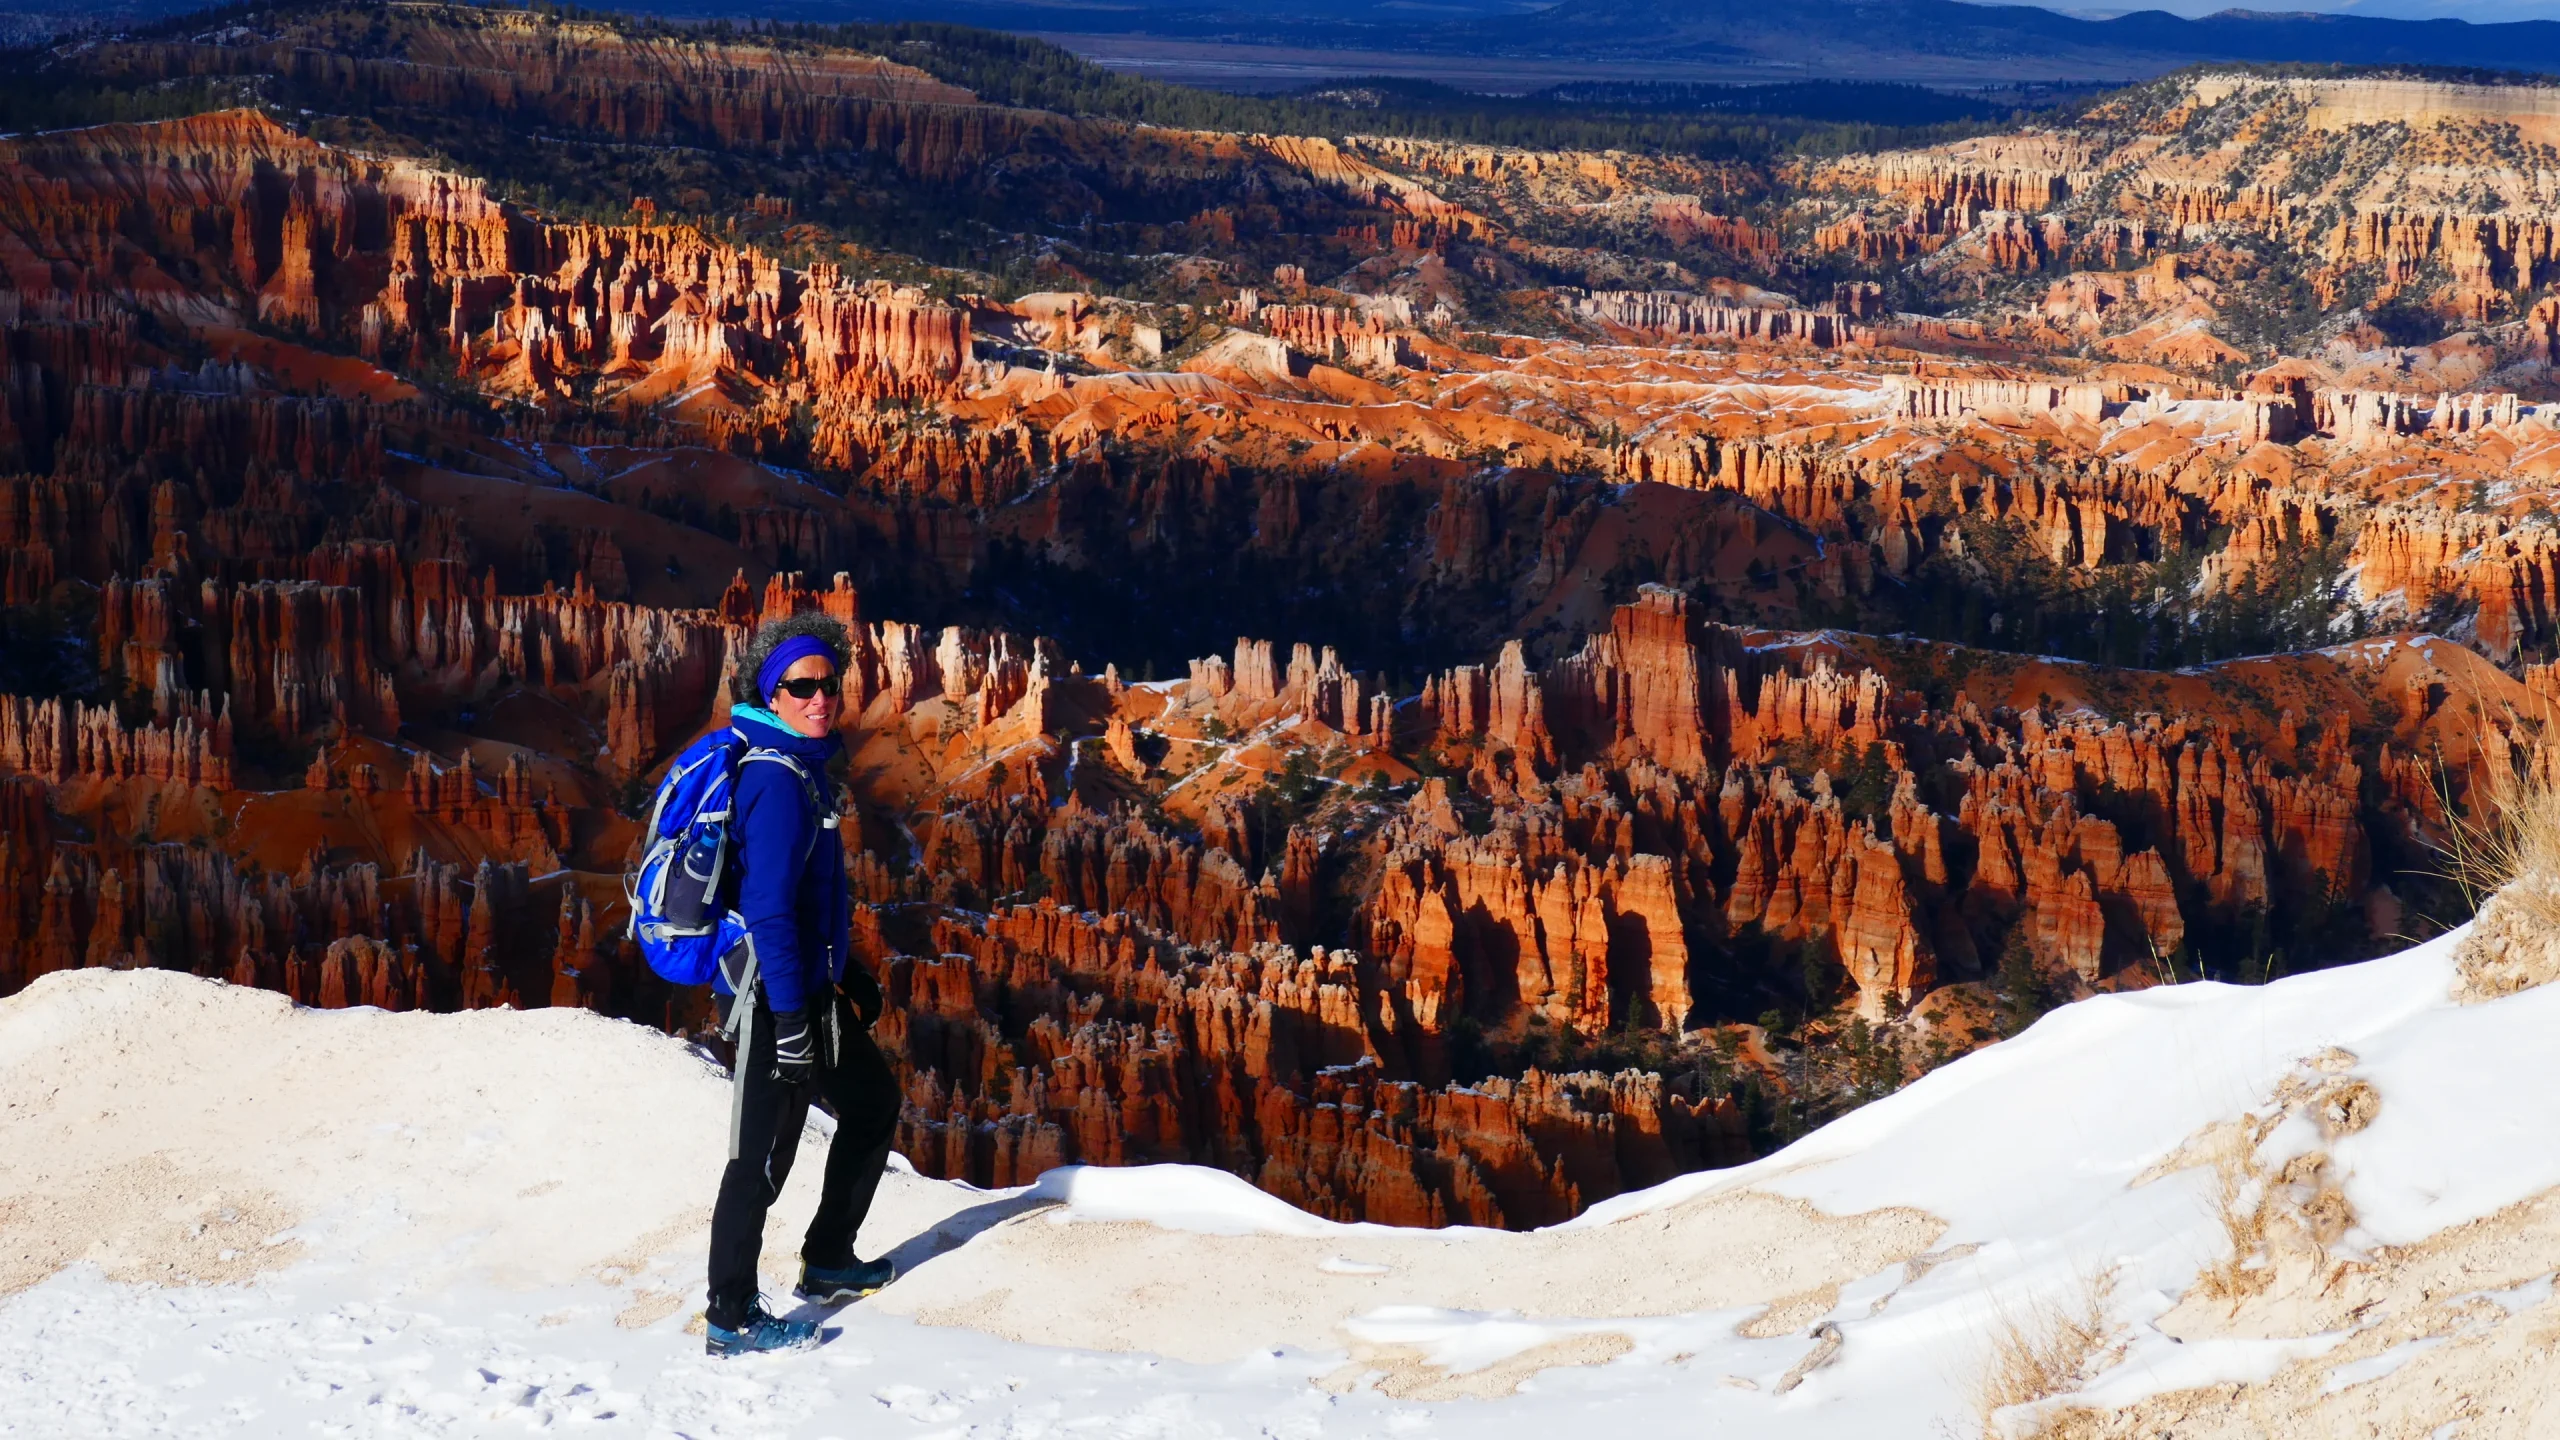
<point x="809" y="687"/>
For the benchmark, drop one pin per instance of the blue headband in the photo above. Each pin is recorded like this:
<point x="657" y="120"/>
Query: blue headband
<point x="790" y="652"/>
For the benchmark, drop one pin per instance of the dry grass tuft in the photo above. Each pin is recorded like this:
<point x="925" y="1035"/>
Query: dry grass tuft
<point x="2279" y="1224"/>
<point x="2048" y="1348"/>
<point x="2504" y="856"/>
<point x="2509" y="843"/>
<point x="2243" y="1204"/>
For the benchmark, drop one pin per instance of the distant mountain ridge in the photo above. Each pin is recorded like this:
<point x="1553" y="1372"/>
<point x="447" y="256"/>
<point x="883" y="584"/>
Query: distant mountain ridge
<point x="1838" y="38"/>
<point x="1950" y="28"/>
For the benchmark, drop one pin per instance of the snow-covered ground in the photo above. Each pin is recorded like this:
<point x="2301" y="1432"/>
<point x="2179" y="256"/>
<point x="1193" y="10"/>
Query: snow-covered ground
<point x="221" y="1215"/>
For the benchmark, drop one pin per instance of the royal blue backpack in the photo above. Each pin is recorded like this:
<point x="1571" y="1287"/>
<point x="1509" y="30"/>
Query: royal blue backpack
<point x="680" y="896"/>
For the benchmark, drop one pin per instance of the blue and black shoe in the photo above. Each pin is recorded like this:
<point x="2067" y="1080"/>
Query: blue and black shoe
<point x="759" y="1333"/>
<point x="827" y="1287"/>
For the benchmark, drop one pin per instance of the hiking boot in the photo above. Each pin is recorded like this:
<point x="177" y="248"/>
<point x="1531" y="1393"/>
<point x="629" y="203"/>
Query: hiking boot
<point x="854" y="1281"/>
<point x="760" y="1332"/>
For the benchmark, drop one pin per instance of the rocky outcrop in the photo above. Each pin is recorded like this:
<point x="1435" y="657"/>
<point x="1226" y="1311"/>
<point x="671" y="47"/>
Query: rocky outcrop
<point x="437" y="936"/>
<point x="1372" y="338"/>
<point x="2010" y="399"/>
<point x="1647" y="834"/>
<point x="1656" y="312"/>
<point x="737" y="95"/>
<point x="61" y="741"/>
<point x="1039" y="1037"/>
<point x="405" y="261"/>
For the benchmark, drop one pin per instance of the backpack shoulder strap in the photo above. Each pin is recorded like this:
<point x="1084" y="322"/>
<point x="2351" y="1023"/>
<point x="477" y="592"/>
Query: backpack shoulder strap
<point x="808" y="782"/>
<point x="821" y="813"/>
<point x="778" y="757"/>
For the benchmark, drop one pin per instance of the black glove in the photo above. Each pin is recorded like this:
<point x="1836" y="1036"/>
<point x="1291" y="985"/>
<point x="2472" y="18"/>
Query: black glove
<point x="863" y="994"/>
<point x="795" y="1049"/>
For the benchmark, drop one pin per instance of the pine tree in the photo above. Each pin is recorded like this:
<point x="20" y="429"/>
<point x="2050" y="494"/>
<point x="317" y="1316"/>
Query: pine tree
<point x="2025" y="994"/>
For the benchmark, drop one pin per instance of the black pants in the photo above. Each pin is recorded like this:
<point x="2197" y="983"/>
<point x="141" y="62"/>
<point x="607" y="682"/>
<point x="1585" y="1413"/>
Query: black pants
<point x="857" y="1085"/>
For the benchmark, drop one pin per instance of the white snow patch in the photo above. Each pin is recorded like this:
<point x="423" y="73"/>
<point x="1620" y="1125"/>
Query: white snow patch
<point x="1461" y="1341"/>
<point x="2357" y="1372"/>
<point x="1180" y="1197"/>
<point x="2157" y="1368"/>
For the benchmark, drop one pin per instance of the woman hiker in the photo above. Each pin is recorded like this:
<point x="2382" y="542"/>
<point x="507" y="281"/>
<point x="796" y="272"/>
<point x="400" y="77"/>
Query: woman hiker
<point x="807" y="1024"/>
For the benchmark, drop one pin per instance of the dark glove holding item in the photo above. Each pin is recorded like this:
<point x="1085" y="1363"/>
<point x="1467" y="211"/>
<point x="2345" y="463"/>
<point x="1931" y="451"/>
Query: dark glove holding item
<point x="863" y="994"/>
<point x="795" y="1049"/>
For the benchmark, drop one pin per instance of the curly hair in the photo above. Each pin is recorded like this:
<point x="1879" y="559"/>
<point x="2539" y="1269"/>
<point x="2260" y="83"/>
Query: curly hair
<point x="825" y="629"/>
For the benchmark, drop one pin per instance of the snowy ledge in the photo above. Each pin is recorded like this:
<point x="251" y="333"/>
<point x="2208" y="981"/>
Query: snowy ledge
<point x="215" y="1196"/>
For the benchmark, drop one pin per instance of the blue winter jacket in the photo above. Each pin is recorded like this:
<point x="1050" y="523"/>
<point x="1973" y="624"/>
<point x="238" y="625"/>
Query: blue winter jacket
<point x="791" y="892"/>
